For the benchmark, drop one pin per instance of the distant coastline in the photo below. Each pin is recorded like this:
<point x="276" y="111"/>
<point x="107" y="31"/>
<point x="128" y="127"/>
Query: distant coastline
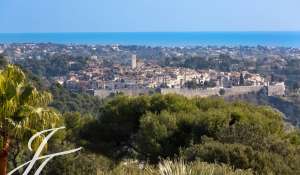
<point x="272" y="39"/>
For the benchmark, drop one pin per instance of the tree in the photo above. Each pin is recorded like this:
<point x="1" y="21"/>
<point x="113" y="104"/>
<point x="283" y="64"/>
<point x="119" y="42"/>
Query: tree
<point x="151" y="128"/>
<point x="242" y="157"/>
<point x="222" y="92"/>
<point x="3" y="61"/>
<point x="242" y="79"/>
<point x="23" y="111"/>
<point x="66" y="101"/>
<point x="191" y="84"/>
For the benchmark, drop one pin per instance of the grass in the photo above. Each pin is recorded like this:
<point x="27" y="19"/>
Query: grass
<point x="176" y="167"/>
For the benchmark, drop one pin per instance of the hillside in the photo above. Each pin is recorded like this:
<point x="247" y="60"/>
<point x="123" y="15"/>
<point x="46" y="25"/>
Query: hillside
<point x="288" y="106"/>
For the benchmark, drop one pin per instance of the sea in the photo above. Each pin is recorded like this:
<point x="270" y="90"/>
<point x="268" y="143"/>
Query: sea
<point x="170" y="39"/>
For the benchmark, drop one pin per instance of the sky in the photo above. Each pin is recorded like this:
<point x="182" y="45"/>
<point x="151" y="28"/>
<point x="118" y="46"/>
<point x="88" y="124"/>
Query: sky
<point x="29" y="16"/>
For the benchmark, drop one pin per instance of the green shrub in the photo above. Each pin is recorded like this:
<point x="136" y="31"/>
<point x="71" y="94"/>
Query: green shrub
<point x="240" y="156"/>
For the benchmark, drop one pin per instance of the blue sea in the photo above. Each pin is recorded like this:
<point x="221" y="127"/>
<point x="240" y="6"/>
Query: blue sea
<point x="285" y="39"/>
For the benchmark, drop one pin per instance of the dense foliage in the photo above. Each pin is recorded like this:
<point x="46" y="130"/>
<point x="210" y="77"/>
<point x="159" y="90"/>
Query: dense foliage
<point x="54" y="65"/>
<point x="207" y="135"/>
<point x="151" y="128"/>
<point x="155" y="127"/>
<point x="68" y="101"/>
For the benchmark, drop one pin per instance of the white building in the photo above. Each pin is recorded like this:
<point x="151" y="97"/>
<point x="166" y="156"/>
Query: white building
<point x="133" y="62"/>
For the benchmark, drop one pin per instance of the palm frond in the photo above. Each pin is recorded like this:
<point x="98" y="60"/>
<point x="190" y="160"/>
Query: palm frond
<point x="40" y="117"/>
<point x="14" y="74"/>
<point x="23" y="109"/>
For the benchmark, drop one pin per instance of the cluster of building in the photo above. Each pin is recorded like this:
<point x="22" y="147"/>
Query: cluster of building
<point x="140" y="76"/>
<point x="116" y="68"/>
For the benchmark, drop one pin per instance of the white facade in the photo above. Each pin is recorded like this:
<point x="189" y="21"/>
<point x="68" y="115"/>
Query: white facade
<point x="133" y="62"/>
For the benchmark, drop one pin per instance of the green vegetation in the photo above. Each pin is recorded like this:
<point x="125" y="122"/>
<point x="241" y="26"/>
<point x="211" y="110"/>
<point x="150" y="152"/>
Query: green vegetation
<point x="3" y="61"/>
<point x="67" y="101"/>
<point x="223" y="62"/>
<point x="195" y="85"/>
<point x="23" y="111"/>
<point x="54" y="66"/>
<point x="150" y="128"/>
<point x="160" y="134"/>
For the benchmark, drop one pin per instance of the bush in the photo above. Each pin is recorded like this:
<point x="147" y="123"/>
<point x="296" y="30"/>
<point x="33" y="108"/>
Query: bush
<point x="240" y="156"/>
<point x="151" y="128"/>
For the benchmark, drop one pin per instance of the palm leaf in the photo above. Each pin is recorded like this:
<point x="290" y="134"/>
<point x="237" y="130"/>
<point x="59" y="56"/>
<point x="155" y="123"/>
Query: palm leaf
<point x="23" y="109"/>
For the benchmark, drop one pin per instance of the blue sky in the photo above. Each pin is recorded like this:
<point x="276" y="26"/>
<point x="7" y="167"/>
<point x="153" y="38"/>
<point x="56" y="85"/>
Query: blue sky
<point x="148" y="15"/>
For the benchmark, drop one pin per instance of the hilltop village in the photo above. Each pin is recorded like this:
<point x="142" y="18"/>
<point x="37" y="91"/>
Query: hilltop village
<point x="138" y="77"/>
<point x="263" y="75"/>
<point x="138" y="70"/>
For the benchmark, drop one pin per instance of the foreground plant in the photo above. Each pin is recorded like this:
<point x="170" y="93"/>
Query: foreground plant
<point x="174" y="167"/>
<point x="178" y="167"/>
<point x="23" y="111"/>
